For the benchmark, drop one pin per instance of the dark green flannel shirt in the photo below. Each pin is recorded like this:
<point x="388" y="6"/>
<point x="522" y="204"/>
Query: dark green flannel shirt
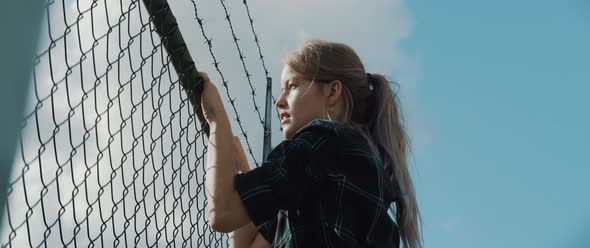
<point x="323" y="188"/>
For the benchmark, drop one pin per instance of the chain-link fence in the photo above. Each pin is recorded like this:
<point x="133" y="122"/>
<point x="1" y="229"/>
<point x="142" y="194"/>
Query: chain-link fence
<point x="111" y="153"/>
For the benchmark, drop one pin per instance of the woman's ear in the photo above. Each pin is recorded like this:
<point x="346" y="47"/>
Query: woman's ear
<point x="334" y="91"/>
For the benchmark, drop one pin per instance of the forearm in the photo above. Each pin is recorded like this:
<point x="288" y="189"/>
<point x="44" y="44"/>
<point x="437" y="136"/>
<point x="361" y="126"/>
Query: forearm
<point x="242" y="237"/>
<point x="220" y="163"/>
<point x="219" y="168"/>
<point x="226" y="212"/>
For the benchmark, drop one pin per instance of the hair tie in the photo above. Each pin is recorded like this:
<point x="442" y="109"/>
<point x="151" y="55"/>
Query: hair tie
<point x="372" y="97"/>
<point x="371" y="81"/>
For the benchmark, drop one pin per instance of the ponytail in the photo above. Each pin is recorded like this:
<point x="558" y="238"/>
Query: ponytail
<point x="387" y="132"/>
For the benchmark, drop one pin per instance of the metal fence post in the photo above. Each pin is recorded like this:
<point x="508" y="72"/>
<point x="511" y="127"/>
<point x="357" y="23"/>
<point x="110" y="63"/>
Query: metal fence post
<point x="267" y="118"/>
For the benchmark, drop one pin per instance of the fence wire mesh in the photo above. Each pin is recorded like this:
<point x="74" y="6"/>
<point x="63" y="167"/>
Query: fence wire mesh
<point x="110" y="152"/>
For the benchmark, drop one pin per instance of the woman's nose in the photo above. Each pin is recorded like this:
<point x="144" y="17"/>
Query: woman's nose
<point x="280" y="103"/>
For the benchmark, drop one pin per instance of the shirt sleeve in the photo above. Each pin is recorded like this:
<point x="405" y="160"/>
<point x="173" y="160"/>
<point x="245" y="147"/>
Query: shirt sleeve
<point x="281" y="181"/>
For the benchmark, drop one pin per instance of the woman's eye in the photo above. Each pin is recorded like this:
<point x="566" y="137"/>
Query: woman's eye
<point x="291" y="86"/>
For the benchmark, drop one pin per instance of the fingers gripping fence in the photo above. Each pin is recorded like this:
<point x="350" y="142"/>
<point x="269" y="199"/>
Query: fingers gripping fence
<point x="111" y="154"/>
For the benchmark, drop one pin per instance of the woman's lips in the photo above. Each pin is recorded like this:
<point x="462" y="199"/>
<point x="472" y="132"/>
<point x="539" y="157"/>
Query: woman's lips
<point x="284" y="117"/>
<point x="285" y="120"/>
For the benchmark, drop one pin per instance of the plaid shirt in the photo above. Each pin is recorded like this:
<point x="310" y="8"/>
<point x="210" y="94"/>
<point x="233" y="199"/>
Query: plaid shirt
<point x="323" y="188"/>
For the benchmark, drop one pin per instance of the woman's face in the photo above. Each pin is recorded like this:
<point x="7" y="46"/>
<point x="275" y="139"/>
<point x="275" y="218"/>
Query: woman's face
<point x="300" y="102"/>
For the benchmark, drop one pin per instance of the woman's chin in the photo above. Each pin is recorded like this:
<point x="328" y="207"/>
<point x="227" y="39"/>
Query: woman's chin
<point x="287" y="134"/>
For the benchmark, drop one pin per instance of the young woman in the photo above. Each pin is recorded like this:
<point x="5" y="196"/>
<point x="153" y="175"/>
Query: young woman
<point x="334" y="178"/>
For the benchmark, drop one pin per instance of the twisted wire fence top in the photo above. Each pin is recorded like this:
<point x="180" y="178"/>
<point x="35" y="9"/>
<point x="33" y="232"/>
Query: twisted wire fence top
<point x="111" y="153"/>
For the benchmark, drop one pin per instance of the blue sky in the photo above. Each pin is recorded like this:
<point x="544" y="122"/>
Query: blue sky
<point x="502" y="88"/>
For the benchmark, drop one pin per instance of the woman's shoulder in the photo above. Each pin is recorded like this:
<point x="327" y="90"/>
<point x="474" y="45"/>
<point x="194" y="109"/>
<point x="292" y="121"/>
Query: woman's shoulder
<point x="334" y="137"/>
<point x="327" y="128"/>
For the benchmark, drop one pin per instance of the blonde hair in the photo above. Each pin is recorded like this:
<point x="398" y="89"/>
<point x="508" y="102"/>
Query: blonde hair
<point x="376" y="113"/>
